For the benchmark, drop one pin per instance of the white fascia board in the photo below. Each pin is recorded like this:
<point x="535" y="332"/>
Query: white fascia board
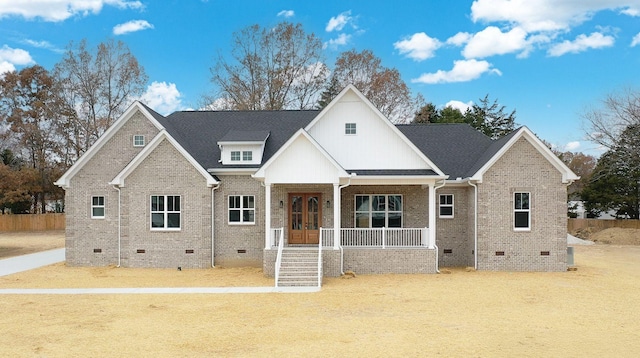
<point x="364" y="99"/>
<point x="394" y="179"/>
<point x="119" y="180"/>
<point x="260" y="174"/>
<point x="568" y="176"/>
<point x="232" y="171"/>
<point x="65" y="179"/>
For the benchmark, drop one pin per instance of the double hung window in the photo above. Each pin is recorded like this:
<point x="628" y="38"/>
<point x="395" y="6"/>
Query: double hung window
<point x="165" y="212"/>
<point x="242" y="209"/>
<point x="522" y="211"/>
<point x="446" y="206"/>
<point x="97" y="207"/>
<point x="378" y="211"/>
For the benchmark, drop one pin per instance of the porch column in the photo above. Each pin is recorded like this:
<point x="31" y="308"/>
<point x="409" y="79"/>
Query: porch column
<point x="336" y="215"/>
<point x="432" y="215"/>
<point x="267" y="216"/>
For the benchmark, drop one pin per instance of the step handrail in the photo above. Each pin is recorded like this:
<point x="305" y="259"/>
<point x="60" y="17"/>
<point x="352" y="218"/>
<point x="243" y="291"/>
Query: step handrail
<point x="279" y="257"/>
<point x="320" y="259"/>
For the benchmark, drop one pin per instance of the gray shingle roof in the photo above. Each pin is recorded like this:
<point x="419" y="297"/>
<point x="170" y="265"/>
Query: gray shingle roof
<point x="457" y="149"/>
<point x="244" y="136"/>
<point x="200" y="131"/>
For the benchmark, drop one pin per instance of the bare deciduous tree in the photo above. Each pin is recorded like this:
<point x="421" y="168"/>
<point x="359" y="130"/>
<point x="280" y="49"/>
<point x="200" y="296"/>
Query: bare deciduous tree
<point x="271" y="68"/>
<point x="381" y="85"/>
<point x="620" y="110"/>
<point x="98" y="85"/>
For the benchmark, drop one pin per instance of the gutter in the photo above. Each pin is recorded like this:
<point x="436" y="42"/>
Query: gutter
<point x="119" y="227"/>
<point x="475" y="224"/>
<point x="213" y="224"/>
<point x="434" y="229"/>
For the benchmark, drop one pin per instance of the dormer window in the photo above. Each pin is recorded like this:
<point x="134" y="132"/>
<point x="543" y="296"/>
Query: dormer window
<point x="350" y="128"/>
<point x="242" y="147"/>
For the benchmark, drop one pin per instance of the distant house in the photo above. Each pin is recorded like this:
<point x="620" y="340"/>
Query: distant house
<point x="198" y="188"/>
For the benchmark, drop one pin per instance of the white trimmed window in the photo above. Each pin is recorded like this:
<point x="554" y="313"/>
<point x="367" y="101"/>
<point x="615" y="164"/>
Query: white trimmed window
<point x="165" y="212"/>
<point x="97" y="207"/>
<point x="522" y="211"/>
<point x="235" y="156"/>
<point x="138" y="140"/>
<point x="446" y="206"/>
<point x="349" y="128"/>
<point x="242" y="209"/>
<point x="247" y="156"/>
<point x="378" y="211"/>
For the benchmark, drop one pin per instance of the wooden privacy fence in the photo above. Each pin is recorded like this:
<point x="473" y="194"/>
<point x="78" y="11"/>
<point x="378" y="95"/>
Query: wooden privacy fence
<point x="32" y="222"/>
<point x="599" y="224"/>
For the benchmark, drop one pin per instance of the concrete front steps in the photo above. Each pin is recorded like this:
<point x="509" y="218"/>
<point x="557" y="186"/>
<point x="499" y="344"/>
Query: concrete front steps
<point x="299" y="267"/>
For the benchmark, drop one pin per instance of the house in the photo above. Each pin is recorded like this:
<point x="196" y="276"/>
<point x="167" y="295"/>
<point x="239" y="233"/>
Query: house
<point x="198" y="189"/>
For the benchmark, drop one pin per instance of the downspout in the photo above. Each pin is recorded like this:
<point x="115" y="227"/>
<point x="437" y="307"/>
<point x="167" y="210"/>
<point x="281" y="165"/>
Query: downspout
<point x="213" y="224"/>
<point x="338" y="238"/>
<point x="119" y="228"/>
<point x="475" y="225"/>
<point x="434" y="229"/>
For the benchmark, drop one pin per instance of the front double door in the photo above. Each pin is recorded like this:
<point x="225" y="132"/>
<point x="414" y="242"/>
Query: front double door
<point x="305" y="214"/>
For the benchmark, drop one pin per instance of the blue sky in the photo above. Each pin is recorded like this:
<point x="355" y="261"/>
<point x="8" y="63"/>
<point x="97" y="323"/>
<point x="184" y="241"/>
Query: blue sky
<point x="551" y="60"/>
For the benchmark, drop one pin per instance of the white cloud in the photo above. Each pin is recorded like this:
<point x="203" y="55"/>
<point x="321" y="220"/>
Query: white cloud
<point x="162" y="97"/>
<point x="15" y="56"/>
<point x="131" y="26"/>
<point x="492" y="41"/>
<point x="461" y="106"/>
<point x="286" y="13"/>
<point x="463" y="71"/>
<point x="418" y="47"/>
<point x="337" y="23"/>
<point x="60" y="10"/>
<point x="581" y="44"/>
<point x="459" y="39"/>
<point x="571" y="146"/>
<point x="6" y="67"/>
<point x="636" y="40"/>
<point x="341" y="40"/>
<point x="544" y="15"/>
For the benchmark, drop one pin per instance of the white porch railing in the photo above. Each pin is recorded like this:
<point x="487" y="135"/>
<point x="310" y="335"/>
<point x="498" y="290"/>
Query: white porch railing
<point x="384" y="237"/>
<point x="361" y="237"/>
<point x="280" y="240"/>
<point x="326" y="237"/>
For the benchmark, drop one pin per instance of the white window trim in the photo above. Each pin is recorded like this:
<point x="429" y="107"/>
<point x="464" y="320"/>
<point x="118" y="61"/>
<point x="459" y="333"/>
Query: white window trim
<point x="354" y="129"/>
<point x="528" y="211"/>
<point x="244" y="155"/>
<point x="241" y="209"/>
<point x="452" y="206"/>
<point x="103" y="206"/>
<point x="386" y="210"/>
<point x="134" y="140"/>
<point x="165" y="212"/>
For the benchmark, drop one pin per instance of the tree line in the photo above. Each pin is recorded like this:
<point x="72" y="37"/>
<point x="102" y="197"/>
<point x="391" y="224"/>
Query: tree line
<point x="48" y="119"/>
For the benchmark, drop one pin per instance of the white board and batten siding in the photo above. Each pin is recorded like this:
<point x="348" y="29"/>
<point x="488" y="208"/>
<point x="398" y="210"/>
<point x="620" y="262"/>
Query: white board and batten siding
<point x="302" y="163"/>
<point x="376" y="144"/>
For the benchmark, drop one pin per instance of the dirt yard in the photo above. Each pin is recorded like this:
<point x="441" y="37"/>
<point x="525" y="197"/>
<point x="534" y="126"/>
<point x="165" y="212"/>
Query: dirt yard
<point x="22" y="243"/>
<point x="591" y="312"/>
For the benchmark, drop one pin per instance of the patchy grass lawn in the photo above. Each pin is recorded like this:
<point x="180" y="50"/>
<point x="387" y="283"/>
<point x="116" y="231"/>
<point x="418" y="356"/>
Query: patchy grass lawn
<point x="591" y="312"/>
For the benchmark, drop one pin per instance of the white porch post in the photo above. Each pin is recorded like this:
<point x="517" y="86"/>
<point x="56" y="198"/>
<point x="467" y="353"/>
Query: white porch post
<point x="267" y="216"/>
<point x="432" y="215"/>
<point x="336" y="215"/>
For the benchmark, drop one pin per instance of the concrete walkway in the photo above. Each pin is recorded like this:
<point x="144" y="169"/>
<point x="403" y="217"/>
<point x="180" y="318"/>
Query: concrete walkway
<point x="29" y="262"/>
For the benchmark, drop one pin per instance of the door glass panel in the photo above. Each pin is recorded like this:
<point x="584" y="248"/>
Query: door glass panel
<point x="312" y="213"/>
<point x="296" y="213"/>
